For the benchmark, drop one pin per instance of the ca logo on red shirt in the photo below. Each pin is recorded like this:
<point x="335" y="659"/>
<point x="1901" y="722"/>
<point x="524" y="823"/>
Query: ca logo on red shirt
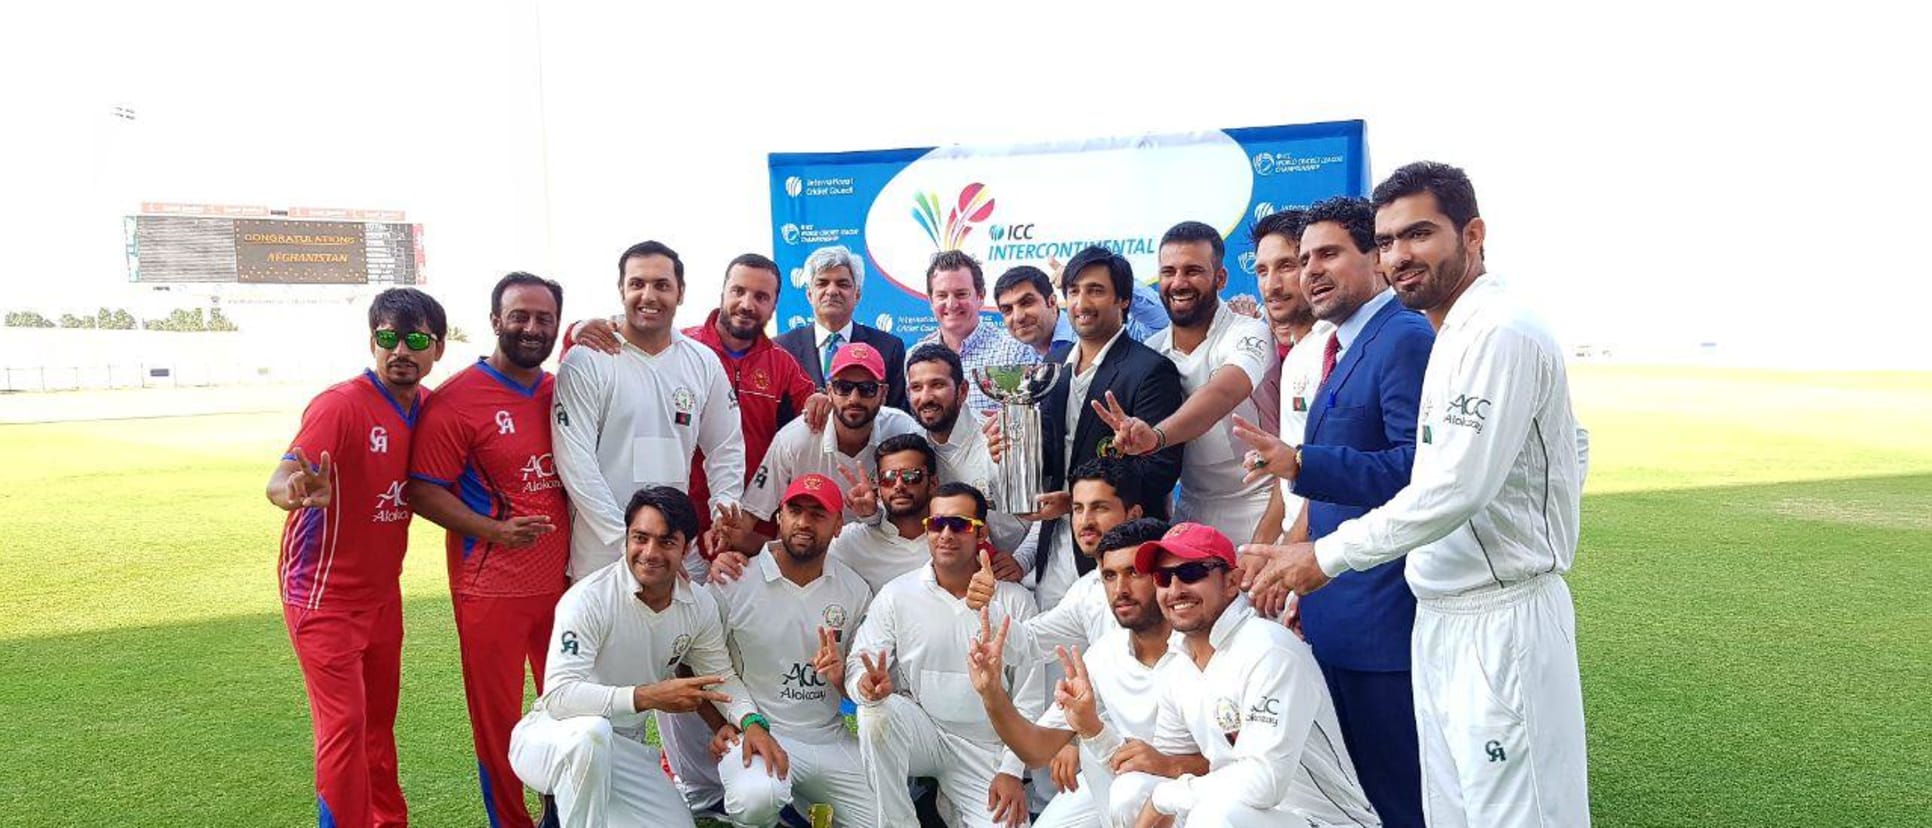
<point x="378" y="440"/>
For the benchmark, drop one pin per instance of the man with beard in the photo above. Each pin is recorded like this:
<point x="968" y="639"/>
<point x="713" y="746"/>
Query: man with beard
<point x="1123" y="673"/>
<point x="1258" y="710"/>
<point x="786" y="625"/>
<point x="637" y="418"/>
<point x="1488" y="523"/>
<point x="957" y="287"/>
<point x="1105" y="364"/>
<point x="1299" y="340"/>
<point x="772" y="388"/>
<point x="936" y="391"/>
<point x="342" y="553"/>
<point x="1024" y="296"/>
<point x="915" y="636"/>
<point x="621" y="633"/>
<point x="880" y="552"/>
<point x="1359" y="445"/>
<point x="859" y="423"/>
<point x="481" y="467"/>
<point x="834" y="280"/>
<point x="1221" y="356"/>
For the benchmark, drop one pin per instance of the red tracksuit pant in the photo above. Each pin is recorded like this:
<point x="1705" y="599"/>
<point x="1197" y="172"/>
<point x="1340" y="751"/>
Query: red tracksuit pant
<point x="352" y="666"/>
<point x="497" y="636"/>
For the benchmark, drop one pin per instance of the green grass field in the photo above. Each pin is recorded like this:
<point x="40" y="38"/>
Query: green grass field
<point x="1752" y="594"/>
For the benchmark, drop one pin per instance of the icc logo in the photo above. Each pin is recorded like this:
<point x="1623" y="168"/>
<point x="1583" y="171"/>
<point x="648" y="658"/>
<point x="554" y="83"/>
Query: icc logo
<point x="790" y="232"/>
<point x="505" y="425"/>
<point x="884" y="322"/>
<point x="540" y="466"/>
<point x="1264" y="210"/>
<point x="798" y="281"/>
<point x="1011" y="232"/>
<point x="1247" y="262"/>
<point x="378" y="440"/>
<point x="1264" y="163"/>
<point x="793" y="186"/>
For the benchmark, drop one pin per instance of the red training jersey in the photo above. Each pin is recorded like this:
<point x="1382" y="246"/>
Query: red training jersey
<point x="349" y="555"/>
<point x="771" y="388"/>
<point x="487" y="440"/>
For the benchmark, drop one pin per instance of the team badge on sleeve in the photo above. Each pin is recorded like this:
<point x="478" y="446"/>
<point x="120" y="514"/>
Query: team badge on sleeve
<point x="1227" y="716"/>
<point x="569" y="642"/>
<point x="563" y="417"/>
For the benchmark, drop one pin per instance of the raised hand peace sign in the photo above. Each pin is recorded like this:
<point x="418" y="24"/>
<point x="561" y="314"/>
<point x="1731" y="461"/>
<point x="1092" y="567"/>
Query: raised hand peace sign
<point x="876" y="684"/>
<point x="1132" y="435"/>
<point x="308" y="486"/>
<point x="863" y="496"/>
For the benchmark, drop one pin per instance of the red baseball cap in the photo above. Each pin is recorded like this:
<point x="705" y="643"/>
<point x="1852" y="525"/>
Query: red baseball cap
<point x="861" y="355"/>
<point x="1188" y="541"/>
<point x="817" y="487"/>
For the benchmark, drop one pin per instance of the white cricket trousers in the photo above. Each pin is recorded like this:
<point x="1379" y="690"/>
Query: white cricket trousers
<point x="897" y="740"/>
<point x="1235" y="516"/>
<point x="1499" y="708"/>
<point x="598" y="776"/>
<point x="828" y="773"/>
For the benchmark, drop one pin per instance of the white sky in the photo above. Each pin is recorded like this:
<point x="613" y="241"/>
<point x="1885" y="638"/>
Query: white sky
<point x="1660" y="175"/>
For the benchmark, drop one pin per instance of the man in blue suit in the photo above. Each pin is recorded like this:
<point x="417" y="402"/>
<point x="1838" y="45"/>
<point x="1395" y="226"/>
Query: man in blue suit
<point x="1359" y="446"/>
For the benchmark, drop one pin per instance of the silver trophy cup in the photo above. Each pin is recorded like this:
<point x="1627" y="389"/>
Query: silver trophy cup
<point x="1020" y="476"/>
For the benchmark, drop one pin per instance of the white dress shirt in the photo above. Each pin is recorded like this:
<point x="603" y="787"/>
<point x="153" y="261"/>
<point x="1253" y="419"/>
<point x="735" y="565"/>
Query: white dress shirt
<point x="1301" y="377"/>
<point x="1494" y="495"/>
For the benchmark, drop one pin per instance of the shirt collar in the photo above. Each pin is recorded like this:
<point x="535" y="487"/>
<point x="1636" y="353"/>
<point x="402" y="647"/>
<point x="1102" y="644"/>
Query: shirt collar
<point x="1353" y="325"/>
<point x="768" y="562"/>
<point x="1231" y="619"/>
<point x="680" y="588"/>
<point x="1471" y="300"/>
<point x="828" y="437"/>
<point x="1062" y="330"/>
<point x="820" y="333"/>
<point x="1073" y="354"/>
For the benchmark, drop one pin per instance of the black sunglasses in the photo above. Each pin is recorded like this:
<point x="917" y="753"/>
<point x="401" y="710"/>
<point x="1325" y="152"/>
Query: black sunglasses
<point x="416" y="340"/>
<point x="910" y="477"/>
<point x="867" y="389"/>
<point x="956" y="524"/>
<point x="1190" y="572"/>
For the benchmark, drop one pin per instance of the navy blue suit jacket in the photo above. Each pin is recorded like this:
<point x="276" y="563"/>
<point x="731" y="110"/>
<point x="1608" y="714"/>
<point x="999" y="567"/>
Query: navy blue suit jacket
<point x="1356" y="454"/>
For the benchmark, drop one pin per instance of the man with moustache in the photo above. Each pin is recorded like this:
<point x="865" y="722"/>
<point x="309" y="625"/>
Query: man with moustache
<point x="1300" y="339"/>
<point x="1358" y="447"/>
<point x="936" y="391"/>
<point x="915" y="637"/>
<point x="1025" y="298"/>
<point x="1258" y="710"/>
<point x="879" y="552"/>
<point x="1221" y="356"/>
<point x="342" y="553"/>
<point x="1488" y="523"/>
<point x="621" y="633"/>
<point x="637" y="418"/>
<point x="1124" y="672"/>
<point x="957" y="287"/>
<point x="771" y="387"/>
<point x="786" y="625"/>
<point x="834" y="280"/>
<point x="481" y="467"/>
<point x="1104" y="366"/>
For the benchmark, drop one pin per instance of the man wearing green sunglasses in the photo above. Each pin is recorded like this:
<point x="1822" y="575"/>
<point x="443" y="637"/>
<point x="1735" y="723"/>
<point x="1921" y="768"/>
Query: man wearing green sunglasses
<point x="341" y="482"/>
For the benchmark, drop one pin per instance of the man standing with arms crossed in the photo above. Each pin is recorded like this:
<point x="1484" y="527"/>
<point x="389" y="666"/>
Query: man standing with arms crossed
<point x="637" y="418"/>
<point x="1488" y="521"/>
<point x="1221" y="356"/>
<point x="481" y="467"/>
<point x="342" y="554"/>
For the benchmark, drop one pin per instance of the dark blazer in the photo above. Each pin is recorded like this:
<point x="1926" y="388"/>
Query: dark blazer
<point x="1148" y="386"/>
<point x="800" y="343"/>
<point x="1357" y="453"/>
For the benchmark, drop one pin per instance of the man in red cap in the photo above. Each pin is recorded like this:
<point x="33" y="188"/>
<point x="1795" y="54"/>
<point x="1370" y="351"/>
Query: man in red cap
<point x="1259" y="711"/>
<point x="846" y="450"/>
<point x="787" y="623"/>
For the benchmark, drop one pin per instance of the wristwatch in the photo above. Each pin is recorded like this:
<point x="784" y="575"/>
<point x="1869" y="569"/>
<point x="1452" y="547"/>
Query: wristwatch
<point x="754" y="718"/>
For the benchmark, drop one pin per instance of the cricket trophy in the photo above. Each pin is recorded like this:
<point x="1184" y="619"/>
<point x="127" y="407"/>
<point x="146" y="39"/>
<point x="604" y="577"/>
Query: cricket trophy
<point x="1020" y="476"/>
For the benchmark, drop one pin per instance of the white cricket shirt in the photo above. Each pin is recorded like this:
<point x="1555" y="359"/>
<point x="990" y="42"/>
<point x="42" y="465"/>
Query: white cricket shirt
<point x="879" y="553"/>
<point x="796" y="451"/>
<point x="629" y="420"/>
<point x="1301" y="377"/>
<point x="924" y="633"/>
<point x="1494" y="495"/>
<point x="1128" y="691"/>
<point x="1261" y="716"/>
<point x="771" y="630"/>
<point x="1211" y="467"/>
<point x="606" y="642"/>
<point x="1082" y="617"/>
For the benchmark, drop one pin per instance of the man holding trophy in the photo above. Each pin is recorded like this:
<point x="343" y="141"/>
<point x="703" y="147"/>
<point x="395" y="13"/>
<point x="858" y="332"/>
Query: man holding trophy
<point x="1063" y="400"/>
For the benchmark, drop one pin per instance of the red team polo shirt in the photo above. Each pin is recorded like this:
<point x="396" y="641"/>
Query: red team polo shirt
<point x="767" y="379"/>
<point x="349" y="555"/>
<point x="487" y="439"/>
